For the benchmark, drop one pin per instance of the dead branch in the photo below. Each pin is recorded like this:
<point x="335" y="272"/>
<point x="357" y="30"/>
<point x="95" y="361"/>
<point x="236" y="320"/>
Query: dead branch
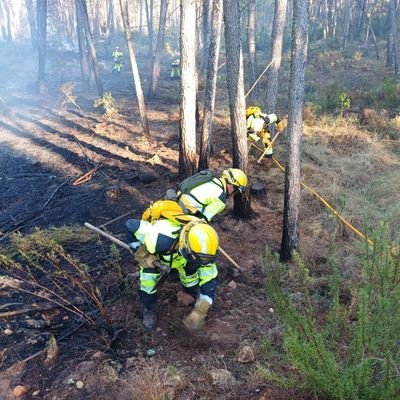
<point x="54" y="193"/>
<point x="87" y="176"/>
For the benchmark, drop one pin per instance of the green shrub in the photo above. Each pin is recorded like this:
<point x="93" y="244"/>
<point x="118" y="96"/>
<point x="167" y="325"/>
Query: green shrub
<point x="352" y="351"/>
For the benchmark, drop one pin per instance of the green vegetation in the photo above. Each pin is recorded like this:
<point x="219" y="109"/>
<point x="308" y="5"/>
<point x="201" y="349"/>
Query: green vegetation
<point x="108" y="104"/>
<point x="342" y="349"/>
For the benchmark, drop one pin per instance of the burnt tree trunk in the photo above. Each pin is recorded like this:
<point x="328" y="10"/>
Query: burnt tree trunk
<point x="32" y="22"/>
<point x="207" y="9"/>
<point x="135" y="71"/>
<point x="149" y="17"/>
<point x="155" y="74"/>
<point x="89" y="41"/>
<point x="394" y="34"/>
<point x="290" y="235"/>
<point x="82" y="48"/>
<point x="251" y="41"/>
<point x="278" y="28"/>
<point x="211" y="83"/>
<point x="237" y="105"/>
<point x="41" y="31"/>
<point x="187" y="153"/>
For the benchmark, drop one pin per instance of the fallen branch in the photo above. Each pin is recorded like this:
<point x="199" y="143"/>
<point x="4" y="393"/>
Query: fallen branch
<point x="87" y="176"/>
<point x="54" y="193"/>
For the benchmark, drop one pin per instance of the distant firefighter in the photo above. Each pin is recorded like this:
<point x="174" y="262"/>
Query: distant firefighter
<point x="175" y="72"/>
<point x="117" y="57"/>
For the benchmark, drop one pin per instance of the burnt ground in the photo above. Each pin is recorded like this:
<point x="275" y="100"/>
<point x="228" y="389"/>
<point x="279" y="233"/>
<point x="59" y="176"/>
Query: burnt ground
<point x="43" y="150"/>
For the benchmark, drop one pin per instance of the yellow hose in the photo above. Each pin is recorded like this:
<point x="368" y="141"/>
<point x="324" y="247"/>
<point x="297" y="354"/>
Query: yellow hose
<point x="328" y="206"/>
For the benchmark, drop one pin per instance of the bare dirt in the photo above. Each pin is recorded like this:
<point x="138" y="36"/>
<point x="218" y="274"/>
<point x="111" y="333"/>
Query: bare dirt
<point x="43" y="150"/>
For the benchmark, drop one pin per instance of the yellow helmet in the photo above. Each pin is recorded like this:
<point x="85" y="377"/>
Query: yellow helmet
<point x="252" y="110"/>
<point x="198" y="242"/>
<point x="236" y="177"/>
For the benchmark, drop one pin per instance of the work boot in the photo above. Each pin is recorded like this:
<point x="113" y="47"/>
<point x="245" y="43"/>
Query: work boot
<point x="150" y="319"/>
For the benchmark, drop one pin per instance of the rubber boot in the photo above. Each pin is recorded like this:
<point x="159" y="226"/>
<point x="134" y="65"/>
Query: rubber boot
<point x="150" y="319"/>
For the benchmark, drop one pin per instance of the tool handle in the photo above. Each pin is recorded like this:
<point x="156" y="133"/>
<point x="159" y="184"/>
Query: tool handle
<point x="106" y="235"/>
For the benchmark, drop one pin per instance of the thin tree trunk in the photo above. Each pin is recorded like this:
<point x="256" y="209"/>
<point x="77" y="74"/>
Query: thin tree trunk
<point x="2" y="18"/>
<point x="41" y="30"/>
<point x="394" y="30"/>
<point x="149" y="17"/>
<point x="90" y="44"/>
<point x="276" y="54"/>
<point x="82" y="48"/>
<point x="110" y="20"/>
<point x="187" y="153"/>
<point x="251" y="40"/>
<point x="7" y="10"/>
<point x="207" y="9"/>
<point x="32" y="22"/>
<point x="237" y="105"/>
<point x="347" y="17"/>
<point x="290" y="235"/>
<point x="155" y="75"/>
<point x="211" y="83"/>
<point x="135" y="70"/>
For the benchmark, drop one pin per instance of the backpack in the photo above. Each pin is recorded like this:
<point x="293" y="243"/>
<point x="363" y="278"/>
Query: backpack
<point x="162" y="209"/>
<point x="188" y="184"/>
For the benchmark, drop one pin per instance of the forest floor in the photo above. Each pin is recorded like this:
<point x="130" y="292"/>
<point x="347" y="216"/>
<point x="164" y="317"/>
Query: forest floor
<point x="43" y="149"/>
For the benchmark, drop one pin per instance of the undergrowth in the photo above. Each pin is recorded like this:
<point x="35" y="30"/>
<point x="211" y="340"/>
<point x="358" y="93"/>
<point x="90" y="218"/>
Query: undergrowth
<point x="350" y="350"/>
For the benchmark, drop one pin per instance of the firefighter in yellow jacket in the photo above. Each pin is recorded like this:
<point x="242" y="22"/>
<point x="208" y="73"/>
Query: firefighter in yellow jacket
<point x="189" y="247"/>
<point x="257" y="124"/>
<point x="209" y="198"/>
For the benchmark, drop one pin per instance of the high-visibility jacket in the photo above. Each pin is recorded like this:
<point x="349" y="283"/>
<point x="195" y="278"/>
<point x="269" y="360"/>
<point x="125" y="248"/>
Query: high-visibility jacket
<point x="255" y="123"/>
<point x="207" y="199"/>
<point x="159" y="241"/>
<point x="117" y="55"/>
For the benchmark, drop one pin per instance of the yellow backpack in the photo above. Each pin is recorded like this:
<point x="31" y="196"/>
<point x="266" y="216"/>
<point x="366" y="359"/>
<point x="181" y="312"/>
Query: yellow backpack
<point x="162" y="209"/>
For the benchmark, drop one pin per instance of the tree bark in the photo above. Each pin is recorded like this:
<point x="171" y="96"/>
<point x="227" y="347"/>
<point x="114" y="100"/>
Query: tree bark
<point x="251" y="40"/>
<point x="110" y="20"/>
<point x="41" y="31"/>
<point x="290" y="235"/>
<point x="211" y="83"/>
<point x="32" y="22"/>
<point x="347" y="17"/>
<point x="237" y="105"/>
<point x="149" y="16"/>
<point x="208" y="6"/>
<point x="276" y="54"/>
<point x="135" y="71"/>
<point x="187" y="153"/>
<point x="394" y="33"/>
<point x="82" y="48"/>
<point x="155" y="75"/>
<point x="89" y="41"/>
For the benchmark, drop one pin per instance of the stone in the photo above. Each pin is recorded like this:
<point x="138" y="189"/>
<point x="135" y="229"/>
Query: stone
<point x="246" y="355"/>
<point x="8" y="332"/>
<point x="222" y="378"/>
<point x="232" y="284"/>
<point x="20" y="390"/>
<point x="79" y="385"/>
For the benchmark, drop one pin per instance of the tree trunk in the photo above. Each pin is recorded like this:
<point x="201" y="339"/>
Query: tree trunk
<point x="7" y="12"/>
<point x="187" y="153"/>
<point x="149" y="16"/>
<point x="290" y="235"/>
<point x="251" y="40"/>
<point x="2" y="18"/>
<point x="276" y="54"/>
<point x="32" y="24"/>
<point x="89" y="41"/>
<point x="96" y="19"/>
<point x="41" y="31"/>
<point x="155" y="75"/>
<point x="211" y="83"/>
<point x="110" y="20"/>
<point x="82" y="47"/>
<point x="237" y="105"/>
<point x="135" y="70"/>
<point x="207" y="8"/>
<point x="393" y="29"/>
<point x="347" y="17"/>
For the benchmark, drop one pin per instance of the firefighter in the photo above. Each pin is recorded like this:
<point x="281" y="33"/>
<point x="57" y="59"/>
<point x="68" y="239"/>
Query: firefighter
<point x="191" y="249"/>
<point x="257" y="124"/>
<point x="175" y="72"/>
<point x="208" y="198"/>
<point x="117" y="57"/>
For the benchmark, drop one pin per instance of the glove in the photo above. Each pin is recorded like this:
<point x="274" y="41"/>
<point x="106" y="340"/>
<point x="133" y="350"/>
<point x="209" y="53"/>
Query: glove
<point x="162" y="267"/>
<point x="280" y="125"/>
<point x="196" y="320"/>
<point x="144" y="258"/>
<point x="134" y="245"/>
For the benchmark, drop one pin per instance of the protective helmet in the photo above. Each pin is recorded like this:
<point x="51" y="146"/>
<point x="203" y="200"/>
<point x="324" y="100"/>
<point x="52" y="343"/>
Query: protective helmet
<point x="236" y="177"/>
<point x="117" y="47"/>
<point x="198" y="242"/>
<point x="252" y="110"/>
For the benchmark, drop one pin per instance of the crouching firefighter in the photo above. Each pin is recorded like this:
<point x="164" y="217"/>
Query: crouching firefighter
<point x="189" y="246"/>
<point x="204" y="194"/>
<point x="258" y="123"/>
